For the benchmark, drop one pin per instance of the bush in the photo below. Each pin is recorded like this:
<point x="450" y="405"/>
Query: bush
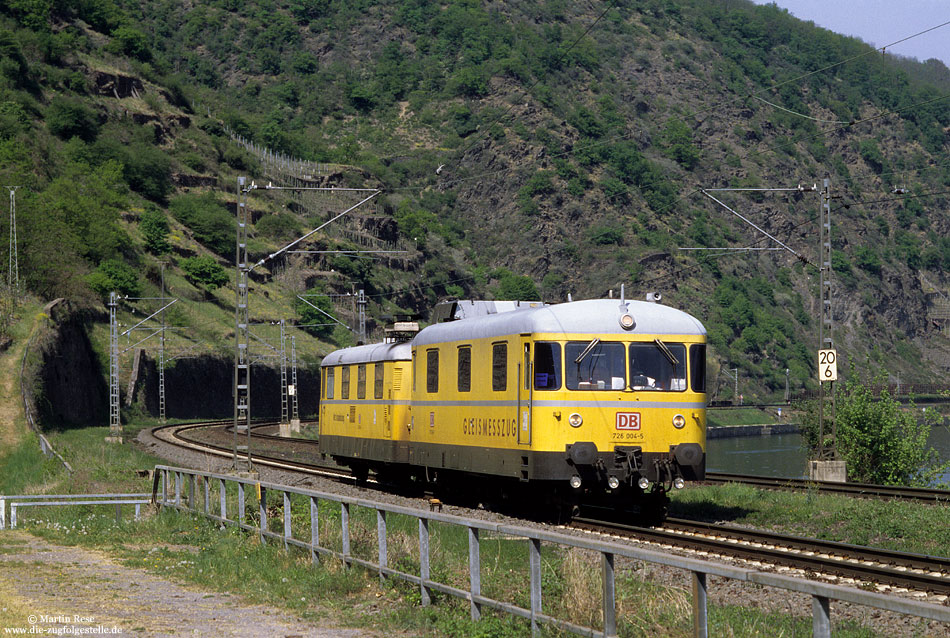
<point x="210" y="222"/>
<point x="879" y="440"/>
<point x="278" y="227"/>
<point x="130" y="42"/>
<point x="313" y="321"/>
<point x="204" y="271"/>
<point x="114" y="275"/>
<point x="154" y="229"/>
<point x="66" y="118"/>
<point x="516" y="287"/>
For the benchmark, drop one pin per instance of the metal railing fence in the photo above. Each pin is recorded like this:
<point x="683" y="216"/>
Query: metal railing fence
<point x="170" y="482"/>
<point x="17" y="501"/>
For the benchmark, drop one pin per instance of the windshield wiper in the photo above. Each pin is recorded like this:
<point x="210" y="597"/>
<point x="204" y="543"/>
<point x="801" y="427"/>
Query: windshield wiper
<point x="662" y="347"/>
<point x="586" y="351"/>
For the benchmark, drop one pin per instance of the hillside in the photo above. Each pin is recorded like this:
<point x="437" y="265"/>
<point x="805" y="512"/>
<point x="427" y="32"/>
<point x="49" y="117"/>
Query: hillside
<point x="523" y="149"/>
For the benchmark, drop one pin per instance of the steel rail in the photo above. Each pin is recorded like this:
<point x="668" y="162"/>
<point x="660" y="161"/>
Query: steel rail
<point x="912" y="571"/>
<point x="869" y="490"/>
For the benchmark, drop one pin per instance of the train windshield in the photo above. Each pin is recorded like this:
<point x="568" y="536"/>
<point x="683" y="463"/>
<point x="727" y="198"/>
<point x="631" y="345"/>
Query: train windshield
<point x="658" y="366"/>
<point x="594" y="365"/>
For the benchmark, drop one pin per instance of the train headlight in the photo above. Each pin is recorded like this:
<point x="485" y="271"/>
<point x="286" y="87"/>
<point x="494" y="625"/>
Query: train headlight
<point x="679" y="483"/>
<point x="575" y="420"/>
<point x="643" y="483"/>
<point x="613" y="482"/>
<point x="627" y="322"/>
<point x="679" y="421"/>
<point x="575" y="481"/>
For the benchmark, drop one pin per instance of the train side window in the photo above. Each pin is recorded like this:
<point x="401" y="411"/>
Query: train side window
<point x="432" y="370"/>
<point x="378" y="384"/>
<point x="345" y="382"/>
<point x="547" y="366"/>
<point x="361" y="381"/>
<point x="697" y="367"/>
<point x="328" y="382"/>
<point x="465" y="369"/>
<point x="499" y="367"/>
<point x="415" y="368"/>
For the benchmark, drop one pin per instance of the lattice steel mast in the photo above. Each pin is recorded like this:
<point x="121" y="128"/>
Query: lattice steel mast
<point x="242" y="364"/>
<point x="115" y="423"/>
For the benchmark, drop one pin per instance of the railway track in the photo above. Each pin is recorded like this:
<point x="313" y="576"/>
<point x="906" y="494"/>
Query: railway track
<point x="867" y="490"/>
<point x="850" y="564"/>
<point x="855" y="565"/>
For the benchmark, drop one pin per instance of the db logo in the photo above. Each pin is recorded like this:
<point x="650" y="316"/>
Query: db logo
<point x="628" y="420"/>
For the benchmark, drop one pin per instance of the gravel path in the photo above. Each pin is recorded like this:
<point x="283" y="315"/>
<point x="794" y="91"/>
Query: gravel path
<point x="72" y="590"/>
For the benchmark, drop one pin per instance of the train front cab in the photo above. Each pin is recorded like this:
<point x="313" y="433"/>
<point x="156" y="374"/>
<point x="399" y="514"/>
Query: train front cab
<point x="615" y="414"/>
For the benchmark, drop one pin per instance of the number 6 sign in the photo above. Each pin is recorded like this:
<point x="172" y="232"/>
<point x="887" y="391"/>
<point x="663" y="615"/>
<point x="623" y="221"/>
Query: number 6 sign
<point x="827" y="365"/>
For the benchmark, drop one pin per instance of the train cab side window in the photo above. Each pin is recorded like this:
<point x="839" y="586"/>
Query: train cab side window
<point x="697" y="368"/>
<point x="547" y="366"/>
<point x="499" y="367"/>
<point x="432" y="370"/>
<point x="378" y="381"/>
<point x="361" y="381"/>
<point x="345" y="382"/>
<point x="328" y="383"/>
<point x="465" y="369"/>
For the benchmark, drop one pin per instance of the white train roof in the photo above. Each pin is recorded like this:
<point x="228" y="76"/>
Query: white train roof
<point x="593" y="316"/>
<point x="369" y="353"/>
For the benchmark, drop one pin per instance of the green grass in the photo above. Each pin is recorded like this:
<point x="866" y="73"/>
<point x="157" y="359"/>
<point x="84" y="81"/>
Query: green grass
<point x="191" y="549"/>
<point x="740" y="416"/>
<point x="897" y="525"/>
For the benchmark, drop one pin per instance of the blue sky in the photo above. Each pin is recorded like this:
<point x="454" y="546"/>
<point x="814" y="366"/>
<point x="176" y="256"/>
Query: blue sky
<point x="881" y="22"/>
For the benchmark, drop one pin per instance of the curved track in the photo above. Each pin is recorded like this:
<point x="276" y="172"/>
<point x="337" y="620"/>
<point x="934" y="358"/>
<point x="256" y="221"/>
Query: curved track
<point x="868" y="490"/>
<point x="885" y="568"/>
<point x="859" y="565"/>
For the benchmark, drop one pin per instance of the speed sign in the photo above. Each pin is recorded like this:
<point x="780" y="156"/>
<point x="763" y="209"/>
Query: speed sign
<point x="827" y="365"/>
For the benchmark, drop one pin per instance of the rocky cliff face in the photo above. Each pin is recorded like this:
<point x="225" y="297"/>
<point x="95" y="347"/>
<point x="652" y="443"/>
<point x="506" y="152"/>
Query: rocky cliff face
<point x="201" y="387"/>
<point x="73" y="390"/>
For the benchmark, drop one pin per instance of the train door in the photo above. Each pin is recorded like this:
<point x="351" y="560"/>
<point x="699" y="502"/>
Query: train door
<point x="379" y="392"/>
<point x="525" y="374"/>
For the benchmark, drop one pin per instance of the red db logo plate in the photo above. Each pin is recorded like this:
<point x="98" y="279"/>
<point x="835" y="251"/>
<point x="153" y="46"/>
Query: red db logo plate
<point x="628" y="420"/>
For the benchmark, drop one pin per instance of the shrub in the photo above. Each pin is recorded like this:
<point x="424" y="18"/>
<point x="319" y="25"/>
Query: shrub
<point x="67" y="118"/>
<point x="154" y="229"/>
<point x="204" y="271"/>
<point x="114" y="275"/>
<point x="208" y="220"/>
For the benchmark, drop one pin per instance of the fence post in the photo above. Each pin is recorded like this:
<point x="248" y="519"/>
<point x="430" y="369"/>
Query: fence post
<point x="345" y="528"/>
<point x="610" y="596"/>
<point x="138" y="511"/>
<point x="3" y="513"/>
<point x="177" y="489"/>
<point x="192" y="479"/>
<point x="240" y="519"/>
<point x="821" y="617"/>
<point x="534" y="561"/>
<point x="314" y="530"/>
<point x="287" y="532"/>
<point x="12" y="515"/>
<point x="207" y="485"/>
<point x="383" y="548"/>
<point x="223" y="498"/>
<point x="263" y="510"/>
<point x="475" y="571"/>
<point x="424" y="560"/>
<point x="700" y="619"/>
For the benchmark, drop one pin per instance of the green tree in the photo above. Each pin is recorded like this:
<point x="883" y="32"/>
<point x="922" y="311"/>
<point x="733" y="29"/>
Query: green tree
<point x="516" y="287"/>
<point x="881" y="441"/>
<point x="204" y="271"/>
<point x="154" y="227"/>
<point x="114" y="275"/>
<point x="313" y="321"/>
<point x="67" y="118"/>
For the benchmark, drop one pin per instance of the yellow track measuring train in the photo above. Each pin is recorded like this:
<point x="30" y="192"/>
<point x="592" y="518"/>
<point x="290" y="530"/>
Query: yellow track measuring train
<point x="550" y="406"/>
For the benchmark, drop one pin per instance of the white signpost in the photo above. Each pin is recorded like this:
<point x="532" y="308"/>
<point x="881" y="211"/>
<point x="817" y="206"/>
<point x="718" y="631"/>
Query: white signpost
<point x="827" y="365"/>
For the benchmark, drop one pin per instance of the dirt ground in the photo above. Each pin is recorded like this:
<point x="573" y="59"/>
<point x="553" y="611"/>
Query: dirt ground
<point x="72" y="591"/>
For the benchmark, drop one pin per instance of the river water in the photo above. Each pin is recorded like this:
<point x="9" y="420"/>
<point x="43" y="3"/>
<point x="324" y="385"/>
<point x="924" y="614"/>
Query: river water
<point x="781" y="454"/>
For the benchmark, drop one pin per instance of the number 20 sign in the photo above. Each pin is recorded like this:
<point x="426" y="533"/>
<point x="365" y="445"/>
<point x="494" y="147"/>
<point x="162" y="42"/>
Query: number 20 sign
<point x="827" y="365"/>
